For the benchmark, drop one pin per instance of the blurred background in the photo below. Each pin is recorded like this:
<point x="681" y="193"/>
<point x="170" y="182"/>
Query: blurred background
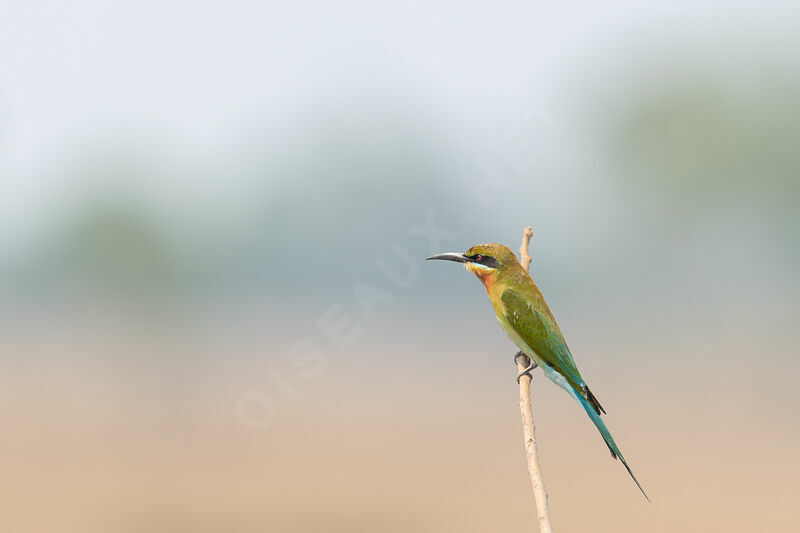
<point x="214" y="313"/>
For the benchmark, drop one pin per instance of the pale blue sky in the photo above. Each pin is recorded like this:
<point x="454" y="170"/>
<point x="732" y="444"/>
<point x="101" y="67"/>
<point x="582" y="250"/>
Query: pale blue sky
<point x="206" y="79"/>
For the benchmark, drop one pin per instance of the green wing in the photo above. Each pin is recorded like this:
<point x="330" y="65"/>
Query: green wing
<point x="539" y="331"/>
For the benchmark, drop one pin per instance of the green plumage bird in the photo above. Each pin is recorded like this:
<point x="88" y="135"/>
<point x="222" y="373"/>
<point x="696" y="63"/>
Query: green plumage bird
<point x="525" y="317"/>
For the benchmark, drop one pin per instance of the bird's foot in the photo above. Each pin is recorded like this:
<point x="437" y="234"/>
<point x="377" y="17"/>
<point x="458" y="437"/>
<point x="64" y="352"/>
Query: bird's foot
<point x="520" y="354"/>
<point x="530" y="367"/>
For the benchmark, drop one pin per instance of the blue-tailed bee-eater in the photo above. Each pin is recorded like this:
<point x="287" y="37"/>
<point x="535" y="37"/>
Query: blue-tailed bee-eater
<point x="525" y="317"/>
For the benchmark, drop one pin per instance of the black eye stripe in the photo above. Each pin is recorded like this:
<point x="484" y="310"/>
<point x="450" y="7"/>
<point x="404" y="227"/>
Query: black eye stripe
<point x="483" y="260"/>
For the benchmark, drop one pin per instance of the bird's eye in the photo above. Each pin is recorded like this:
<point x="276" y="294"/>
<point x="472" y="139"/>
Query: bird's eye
<point x="478" y="257"/>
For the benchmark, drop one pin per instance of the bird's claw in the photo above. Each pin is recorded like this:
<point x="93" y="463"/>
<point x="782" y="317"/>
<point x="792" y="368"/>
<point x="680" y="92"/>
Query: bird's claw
<point x="530" y="367"/>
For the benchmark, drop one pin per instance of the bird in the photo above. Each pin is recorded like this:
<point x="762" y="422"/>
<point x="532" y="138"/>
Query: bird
<point x="524" y="315"/>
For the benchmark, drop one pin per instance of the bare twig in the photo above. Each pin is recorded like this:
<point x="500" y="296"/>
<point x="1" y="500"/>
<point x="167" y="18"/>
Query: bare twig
<point x="524" y="258"/>
<point x="535" y="469"/>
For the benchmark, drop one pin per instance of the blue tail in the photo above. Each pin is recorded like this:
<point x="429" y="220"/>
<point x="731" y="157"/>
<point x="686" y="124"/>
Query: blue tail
<point x="601" y="427"/>
<point x="559" y="380"/>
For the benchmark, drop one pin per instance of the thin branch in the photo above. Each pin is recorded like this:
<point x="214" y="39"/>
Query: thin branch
<point x="528" y="429"/>
<point x="524" y="258"/>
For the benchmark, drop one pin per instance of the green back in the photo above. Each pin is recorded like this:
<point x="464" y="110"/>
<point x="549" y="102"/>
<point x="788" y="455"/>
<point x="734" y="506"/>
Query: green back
<point x="539" y="330"/>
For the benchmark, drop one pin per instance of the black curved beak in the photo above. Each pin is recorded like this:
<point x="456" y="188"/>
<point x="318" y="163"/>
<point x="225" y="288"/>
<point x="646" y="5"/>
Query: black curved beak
<point x="450" y="256"/>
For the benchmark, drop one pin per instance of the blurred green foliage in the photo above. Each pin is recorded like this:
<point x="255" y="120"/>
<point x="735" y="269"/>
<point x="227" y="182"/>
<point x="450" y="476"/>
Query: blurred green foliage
<point x="701" y="137"/>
